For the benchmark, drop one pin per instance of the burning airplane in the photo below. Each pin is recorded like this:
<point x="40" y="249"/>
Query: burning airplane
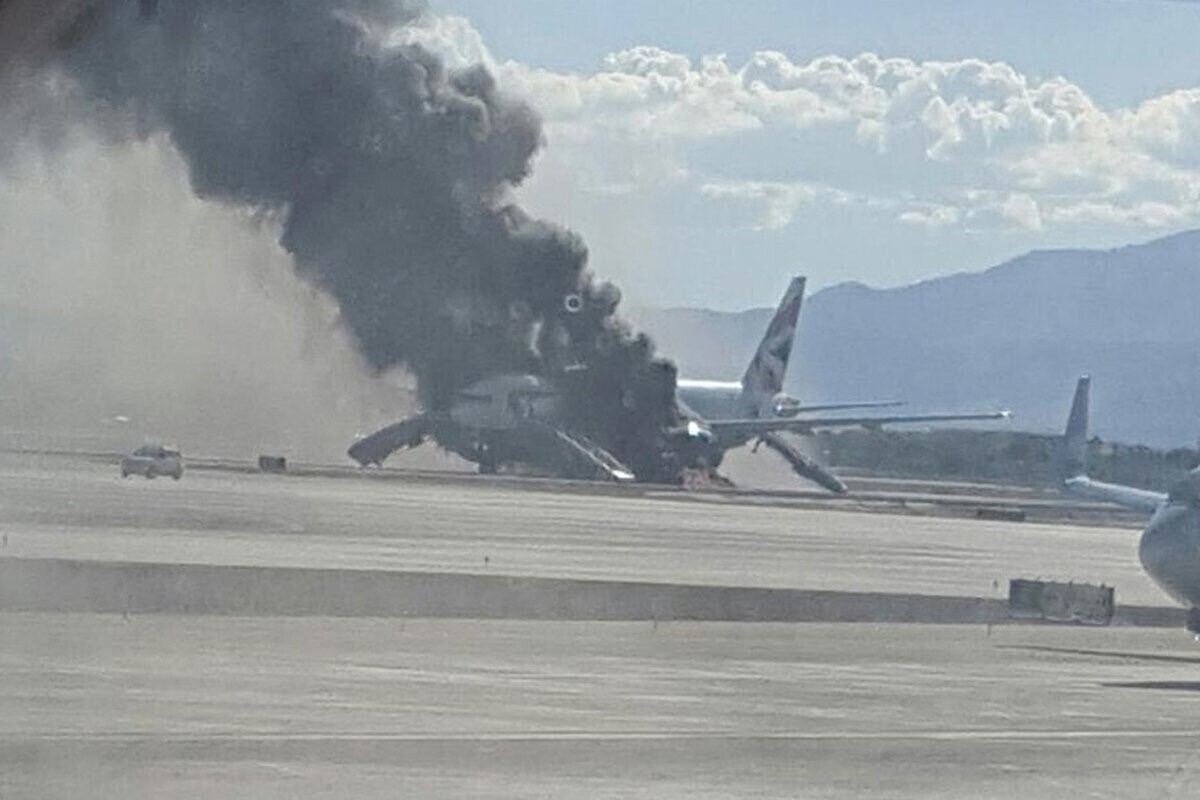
<point x="391" y="176"/>
<point x="500" y="420"/>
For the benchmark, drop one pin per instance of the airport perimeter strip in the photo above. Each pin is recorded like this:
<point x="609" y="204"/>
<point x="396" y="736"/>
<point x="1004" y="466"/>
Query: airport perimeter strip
<point x="81" y="586"/>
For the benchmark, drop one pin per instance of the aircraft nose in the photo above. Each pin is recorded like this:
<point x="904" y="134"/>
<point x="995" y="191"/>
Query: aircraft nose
<point x="1170" y="552"/>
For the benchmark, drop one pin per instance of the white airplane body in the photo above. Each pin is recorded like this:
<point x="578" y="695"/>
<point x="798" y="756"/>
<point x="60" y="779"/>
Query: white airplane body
<point x="757" y="409"/>
<point x="1076" y="480"/>
<point x="1169" y="548"/>
<point x="516" y="418"/>
<point x="730" y="400"/>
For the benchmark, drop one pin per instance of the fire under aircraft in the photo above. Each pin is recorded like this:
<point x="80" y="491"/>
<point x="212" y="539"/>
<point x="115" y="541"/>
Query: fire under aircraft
<point x="757" y="409"/>
<point x="517" y="418"/>
<point x="1169" y="548"/>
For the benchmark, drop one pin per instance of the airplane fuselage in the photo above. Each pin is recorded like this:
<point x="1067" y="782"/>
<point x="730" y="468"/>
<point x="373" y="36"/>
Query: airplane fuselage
<point x="491" y="448"/>
<point x="1170" y="552"/>
<point x="707" y="400"/>
<point x="1170" y="545"/>
<point x="715" y="399"/>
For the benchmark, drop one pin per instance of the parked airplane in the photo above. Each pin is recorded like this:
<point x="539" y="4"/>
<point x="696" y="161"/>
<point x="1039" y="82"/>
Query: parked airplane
<point x="1074" y="455"/>
<point x="760" y="391"/>
<point x="1170" y="544"/>
<point x="734" y="413"/>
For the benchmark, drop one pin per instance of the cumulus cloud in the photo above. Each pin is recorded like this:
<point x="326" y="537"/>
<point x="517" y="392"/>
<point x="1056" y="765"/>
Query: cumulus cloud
<point x="659" y="157"/>
<point x="644" y="92"/>
<point x="934" y="216"/>
<point x="1147" y="215"/>
<point x="1022" y="210"/>
<point x="776" y="203"/>
<point x="927" y="139"/>
<point x="1168" y="127"/>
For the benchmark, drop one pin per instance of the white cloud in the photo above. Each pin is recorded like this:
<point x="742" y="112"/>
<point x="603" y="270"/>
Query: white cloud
<point x="936" y="216"/>
<point x="777" y="202"/>
<point x="649" y="61"/>
<point x="643" y="93"/>
<point x="920" y="136"/>
<point x="657" y="155"/>
<point x="1146" y="215"/>
<point x="1169" y="127"/>
<point x="1022" y="210"/>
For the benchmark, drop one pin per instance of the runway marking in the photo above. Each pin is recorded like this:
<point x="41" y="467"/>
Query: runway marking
<point x="615" y="736"/>
<point x="1126" y="656"/>
<point x="1164" y="686"/>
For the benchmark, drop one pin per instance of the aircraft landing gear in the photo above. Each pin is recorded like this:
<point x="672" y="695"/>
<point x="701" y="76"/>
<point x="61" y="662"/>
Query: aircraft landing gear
<point x="487" y="461"/>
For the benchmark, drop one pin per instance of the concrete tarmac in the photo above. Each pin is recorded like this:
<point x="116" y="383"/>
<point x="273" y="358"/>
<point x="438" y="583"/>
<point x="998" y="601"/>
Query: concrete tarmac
<point x="200" y="706"/>
<point x="54" y="507"/>
<point x="204" y="707"/>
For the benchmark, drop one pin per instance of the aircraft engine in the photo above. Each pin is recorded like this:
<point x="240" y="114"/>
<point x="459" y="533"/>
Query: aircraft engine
<point x="784" y="405"/>
<point x="695" y="444"/>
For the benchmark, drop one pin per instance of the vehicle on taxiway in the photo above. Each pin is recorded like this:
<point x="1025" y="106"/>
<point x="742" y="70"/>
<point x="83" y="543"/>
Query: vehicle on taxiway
<point x="153" y="460"/>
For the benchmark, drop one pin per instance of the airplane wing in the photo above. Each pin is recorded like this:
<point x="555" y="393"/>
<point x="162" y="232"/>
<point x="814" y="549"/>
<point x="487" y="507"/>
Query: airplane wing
<point x="1127" y="496"/>
<point x="375" y="449"/>
<point x="790" y="411"/>
<point x="756" y="427"/>
<point x="802" y="465"/>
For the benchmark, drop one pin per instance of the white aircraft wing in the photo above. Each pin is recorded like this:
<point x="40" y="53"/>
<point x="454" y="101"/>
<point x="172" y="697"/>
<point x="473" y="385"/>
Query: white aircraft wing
<point x="1127" y="496"/>
<point x="753" y="427"/>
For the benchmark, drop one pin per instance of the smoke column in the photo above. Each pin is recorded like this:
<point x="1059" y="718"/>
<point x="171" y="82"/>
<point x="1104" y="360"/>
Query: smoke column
<point x="392" y="177"/>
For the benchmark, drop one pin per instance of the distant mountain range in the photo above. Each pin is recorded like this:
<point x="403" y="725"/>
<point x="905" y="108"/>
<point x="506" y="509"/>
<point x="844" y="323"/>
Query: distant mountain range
<point x="1016" y="335"/>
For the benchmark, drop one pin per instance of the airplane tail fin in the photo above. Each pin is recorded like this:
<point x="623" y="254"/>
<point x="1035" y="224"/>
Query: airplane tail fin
<point x="1074" y="450"/>
<point x="764" y="377"/>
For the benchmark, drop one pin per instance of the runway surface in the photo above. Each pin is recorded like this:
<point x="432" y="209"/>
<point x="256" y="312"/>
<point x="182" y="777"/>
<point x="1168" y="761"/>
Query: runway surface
<point x="98" y="706"/>
<point x="201" y="706"/>
<point x="54" y="507"/>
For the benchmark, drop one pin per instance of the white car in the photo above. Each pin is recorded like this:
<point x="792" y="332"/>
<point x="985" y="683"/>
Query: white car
<point x="153" y="460"/>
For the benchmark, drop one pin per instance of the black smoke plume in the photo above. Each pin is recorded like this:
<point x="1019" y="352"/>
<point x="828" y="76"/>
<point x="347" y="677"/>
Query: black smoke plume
<point x="392" y="177"/>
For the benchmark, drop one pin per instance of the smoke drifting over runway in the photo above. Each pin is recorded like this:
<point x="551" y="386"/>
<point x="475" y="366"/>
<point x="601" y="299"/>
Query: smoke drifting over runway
<point x="126" y="296"/>
<point x="391" y="178"/>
